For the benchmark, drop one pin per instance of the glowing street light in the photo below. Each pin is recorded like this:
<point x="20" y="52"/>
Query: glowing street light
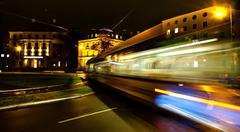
<point x="18" y="48"/>
<point x="220" y="12"/>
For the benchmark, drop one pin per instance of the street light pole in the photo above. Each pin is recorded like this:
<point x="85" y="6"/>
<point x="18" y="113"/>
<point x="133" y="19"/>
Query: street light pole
<point x="231" y="21"/>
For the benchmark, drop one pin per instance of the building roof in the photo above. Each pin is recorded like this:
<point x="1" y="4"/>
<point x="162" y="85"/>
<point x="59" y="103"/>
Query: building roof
<point x="40" y="27"/>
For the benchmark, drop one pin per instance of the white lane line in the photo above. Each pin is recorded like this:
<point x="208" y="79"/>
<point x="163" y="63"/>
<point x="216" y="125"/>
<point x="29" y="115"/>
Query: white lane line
<point x="33" y="88"/>
<point x="43" y="102"/>
<point x="86" y="115"/>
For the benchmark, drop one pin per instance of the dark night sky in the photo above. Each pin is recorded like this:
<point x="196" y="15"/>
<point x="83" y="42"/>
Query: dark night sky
<point x="87" y="14"/>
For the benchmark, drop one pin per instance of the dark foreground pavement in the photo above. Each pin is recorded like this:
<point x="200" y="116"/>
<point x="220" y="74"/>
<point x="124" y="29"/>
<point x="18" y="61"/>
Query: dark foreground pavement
<point x="104" y="111"/>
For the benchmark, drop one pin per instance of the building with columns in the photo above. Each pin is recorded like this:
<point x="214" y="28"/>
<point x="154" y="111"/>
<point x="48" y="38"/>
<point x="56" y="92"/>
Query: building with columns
<point x="96" y="43"/>
<point x="37" y="50"/>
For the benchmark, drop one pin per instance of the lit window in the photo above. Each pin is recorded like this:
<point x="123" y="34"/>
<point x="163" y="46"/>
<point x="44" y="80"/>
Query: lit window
<point x="35" y="63"/>
<point x="2" y="55"/>
<point x="195" y="64"/>
<point x="59" y="63"/>
<point x="8" y="55"/>
<point x="39" y="51"/>
<point x="25" y="62"/>
<point x="116" y="36"/>
<point x="168" y="32"/>
<point x="176" y="30"/>
<point x="32" y="52"/>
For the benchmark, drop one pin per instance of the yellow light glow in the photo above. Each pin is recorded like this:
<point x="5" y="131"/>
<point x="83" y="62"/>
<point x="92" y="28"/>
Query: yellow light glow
<point x="40" y="52"/>
<point x="220" y="12"/>
<point x="25" y="62"/>
<point x="201" y="100"/>
<point x="18" y="48"/>
<point x="34" y="63"/>
<point x="32" y="51"/>
<point x="47" y="52"/>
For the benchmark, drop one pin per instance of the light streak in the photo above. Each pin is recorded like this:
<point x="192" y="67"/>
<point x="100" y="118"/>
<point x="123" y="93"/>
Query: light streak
<point x="201" y="100"/>
<point x="149" y="52"/>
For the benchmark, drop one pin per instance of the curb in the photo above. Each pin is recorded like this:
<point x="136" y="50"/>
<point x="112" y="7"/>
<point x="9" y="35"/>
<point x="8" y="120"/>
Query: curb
<point x="42" y="102"/>
<point x="29" y="89"/>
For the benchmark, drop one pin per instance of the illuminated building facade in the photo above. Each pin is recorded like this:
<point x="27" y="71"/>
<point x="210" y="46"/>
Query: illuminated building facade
<point x="95" y="44"/>
<point x="214" y="21"/>
<point x="38" y="50"/>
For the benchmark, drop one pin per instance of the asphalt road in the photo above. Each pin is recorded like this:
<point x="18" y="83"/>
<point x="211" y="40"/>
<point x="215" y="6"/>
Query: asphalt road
<point x="105" y="111"/>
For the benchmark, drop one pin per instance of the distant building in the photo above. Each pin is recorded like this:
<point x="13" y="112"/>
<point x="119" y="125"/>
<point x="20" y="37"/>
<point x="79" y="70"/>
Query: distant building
<point x="215" y="21"/>
<point x="95" y="43"/>
<point x="38" y="49"/>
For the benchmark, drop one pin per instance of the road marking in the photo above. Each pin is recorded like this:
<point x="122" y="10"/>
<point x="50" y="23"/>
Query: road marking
<point x="43" y="102"/>
<point x="86" y="115"/>
<point x="33" y="88"/>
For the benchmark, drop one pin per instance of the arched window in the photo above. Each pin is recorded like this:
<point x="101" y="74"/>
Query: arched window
<point x="185" y="19"/>
<point x="205" y="14"/>
<point x="194" y="17"/>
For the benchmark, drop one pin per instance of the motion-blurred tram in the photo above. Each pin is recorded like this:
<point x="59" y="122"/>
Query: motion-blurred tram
<point x="198" y="79"/>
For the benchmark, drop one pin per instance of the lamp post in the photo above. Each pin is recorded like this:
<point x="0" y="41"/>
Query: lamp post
<point x="222" y="12"/>
<point x="18" y="49"/>
<point x="231" y="21"/>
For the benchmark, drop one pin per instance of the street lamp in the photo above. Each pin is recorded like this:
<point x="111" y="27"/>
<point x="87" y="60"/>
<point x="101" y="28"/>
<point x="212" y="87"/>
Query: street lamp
<point x="18" y="49"/>
<point x="222" y="12"/>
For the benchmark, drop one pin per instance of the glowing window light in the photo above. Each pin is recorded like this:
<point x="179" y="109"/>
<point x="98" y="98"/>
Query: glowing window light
<point x="195" y="64"/>
<point x="59" y="63"/>
<point x="25" y="51"/>
<point x="168" y="32"/>
<point x="201" y="100"/>
<point x="34" y="63"/>
<point x="47" y="52"/>
<point x="32" y="51"/>
<point x="25" y="62"/>
<point x="159" y="50"/>
<point x="176" y="30"/>
<point x="40" y="52"/>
